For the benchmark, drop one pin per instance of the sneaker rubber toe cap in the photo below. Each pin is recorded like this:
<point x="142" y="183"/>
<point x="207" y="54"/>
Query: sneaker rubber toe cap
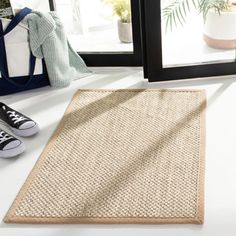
<point x="27" y="125"/>
<point x="12" y="145"/>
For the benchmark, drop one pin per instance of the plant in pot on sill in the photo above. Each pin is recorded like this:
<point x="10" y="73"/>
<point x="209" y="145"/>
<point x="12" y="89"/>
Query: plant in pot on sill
<point x="219" y="19"/>
<point x="122" y="9"/>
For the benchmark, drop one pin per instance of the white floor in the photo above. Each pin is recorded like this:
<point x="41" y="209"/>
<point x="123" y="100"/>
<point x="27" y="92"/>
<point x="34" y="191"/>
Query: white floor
<point x="99" y="41"/>
<point x="46" y="106"/>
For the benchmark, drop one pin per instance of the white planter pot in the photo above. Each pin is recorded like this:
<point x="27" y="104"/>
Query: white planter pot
<point x="220" y="30"/>
<point x="125" y="32"/>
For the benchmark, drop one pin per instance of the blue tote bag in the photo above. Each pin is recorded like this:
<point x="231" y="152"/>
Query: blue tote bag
<point x="9" y="84"/>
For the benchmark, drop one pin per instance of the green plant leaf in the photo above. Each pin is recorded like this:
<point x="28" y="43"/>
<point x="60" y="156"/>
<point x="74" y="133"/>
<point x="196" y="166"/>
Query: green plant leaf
<point x="178" y="10"/>
<point x="121" y="8"/>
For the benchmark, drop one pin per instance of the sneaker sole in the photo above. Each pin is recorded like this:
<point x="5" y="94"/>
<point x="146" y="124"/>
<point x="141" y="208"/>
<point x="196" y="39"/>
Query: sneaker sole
<point x="22" y="132"/>
<point x="12" y="152"/>
<point x="26" y="132"/>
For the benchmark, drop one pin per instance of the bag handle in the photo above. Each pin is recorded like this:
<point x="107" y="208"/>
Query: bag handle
<point x="3" y="58"/>
<point x="31" y="74"/>
<point x="16" y="20"/>
<point x="13" y="23"/>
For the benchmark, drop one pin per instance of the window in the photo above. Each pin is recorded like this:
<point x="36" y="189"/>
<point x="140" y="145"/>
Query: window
<point x="187" y="51"/>
<point x="92" y="30"/>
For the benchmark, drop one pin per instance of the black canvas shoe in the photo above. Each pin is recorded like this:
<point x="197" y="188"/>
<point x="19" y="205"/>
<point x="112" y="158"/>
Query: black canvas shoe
<point x="10" y="146"/>
<point x="20" y="124"/>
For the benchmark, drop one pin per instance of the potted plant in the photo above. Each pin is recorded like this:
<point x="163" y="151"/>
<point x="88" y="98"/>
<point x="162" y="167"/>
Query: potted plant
<point x="219" y="19"/>
<point x="122" y="9"/>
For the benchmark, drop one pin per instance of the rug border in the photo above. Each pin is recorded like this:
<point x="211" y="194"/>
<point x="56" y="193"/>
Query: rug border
<point x="199" y="219"/>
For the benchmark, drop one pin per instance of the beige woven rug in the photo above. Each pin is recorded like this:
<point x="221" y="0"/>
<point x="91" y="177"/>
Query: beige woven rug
<point x="120" y="156"/>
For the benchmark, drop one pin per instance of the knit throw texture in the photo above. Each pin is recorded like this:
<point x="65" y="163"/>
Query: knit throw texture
<point x="48" y="40"/>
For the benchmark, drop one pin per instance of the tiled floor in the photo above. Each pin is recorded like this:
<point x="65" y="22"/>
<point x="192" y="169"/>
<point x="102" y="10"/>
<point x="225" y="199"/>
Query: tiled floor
<point x="47" y="106"/>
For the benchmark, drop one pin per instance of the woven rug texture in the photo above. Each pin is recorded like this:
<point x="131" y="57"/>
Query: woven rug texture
<point x="120" y="156"/>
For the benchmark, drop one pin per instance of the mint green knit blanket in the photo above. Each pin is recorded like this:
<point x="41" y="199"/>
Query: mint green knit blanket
<point x="48" y="40"/>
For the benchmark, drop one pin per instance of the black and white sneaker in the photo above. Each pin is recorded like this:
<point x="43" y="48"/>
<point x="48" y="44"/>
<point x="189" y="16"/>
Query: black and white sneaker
<point x="20" y="124"/>
<point x="10" y="146"/>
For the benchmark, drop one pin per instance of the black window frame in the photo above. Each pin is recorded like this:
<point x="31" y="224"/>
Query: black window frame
<point x="152" y="45"/>
<point x="121" y="58"/>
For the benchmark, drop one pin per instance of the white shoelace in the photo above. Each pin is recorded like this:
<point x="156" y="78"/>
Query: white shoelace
<point x="4" y="137"/>
<point x="15" y="117"/>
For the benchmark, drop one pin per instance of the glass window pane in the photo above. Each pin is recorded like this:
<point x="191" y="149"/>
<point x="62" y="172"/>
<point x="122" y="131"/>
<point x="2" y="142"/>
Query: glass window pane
<point x="196" y="41"/>
<point x="92" y="26"/>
